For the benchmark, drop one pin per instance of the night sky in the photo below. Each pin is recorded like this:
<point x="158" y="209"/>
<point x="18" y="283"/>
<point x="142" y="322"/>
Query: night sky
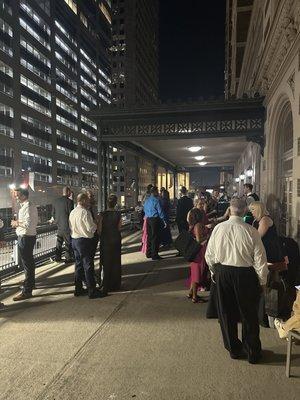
<point x="191" y="48"/>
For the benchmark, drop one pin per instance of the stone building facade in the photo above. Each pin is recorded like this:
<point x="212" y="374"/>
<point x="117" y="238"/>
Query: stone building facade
<point x="271" y="68"/>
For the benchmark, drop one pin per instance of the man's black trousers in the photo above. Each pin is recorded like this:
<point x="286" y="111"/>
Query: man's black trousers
<point x="25" y="254"/>
<point x="238" y="294"/>
<point x="153" y="236"/>
<point x="64" y="237"/>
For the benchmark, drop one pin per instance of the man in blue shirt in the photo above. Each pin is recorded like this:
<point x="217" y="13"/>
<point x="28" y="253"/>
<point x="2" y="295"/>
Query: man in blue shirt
<point x="153" y="213"/>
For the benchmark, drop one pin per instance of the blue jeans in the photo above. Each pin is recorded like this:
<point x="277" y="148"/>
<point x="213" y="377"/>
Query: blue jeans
<point x="84" y="263"/>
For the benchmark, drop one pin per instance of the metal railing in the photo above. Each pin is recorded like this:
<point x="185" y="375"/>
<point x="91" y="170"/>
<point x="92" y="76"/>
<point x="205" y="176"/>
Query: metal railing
<point x="43" y="249"/>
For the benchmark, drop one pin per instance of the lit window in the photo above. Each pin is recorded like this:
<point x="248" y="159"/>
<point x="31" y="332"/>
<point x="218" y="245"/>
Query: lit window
<point x="67" y="137"/>
<point x="88" y="122"/>
<point x="35" y="87"/>
<point x="66" y="166"/>
<point x="66" y="122"/>
<point x="105" y="12"/>
<point x="6" y="130"/>
<point x="65" y="62"/>
<point x="87" y="70"/>
<point x="89" y="147"/>
<point x="65" y="78"/>
<point x="38" y="176"/>
<point x="66" y="107"/>
<point x="6" y="28"/>
<point x="36" y="158"/>
<point x="67" y="152"/>
<point x="33" y="33"/>
<point x="101" y="72"/>
<point x="66" y="93"/>
<point x="36" y="106"/>
<point x="35" y="70"/>
<point x="88" y="96"/>
<point x="65" y="32"/>
<point x="72" y="4"/>
<point x="4" y="5"/>
<point x="35" y="52"/>
<point x="87" y="57"/>
<point x="65" y="47"/>
<point x="35" y="123"/>
<point x="84" y="106"/>
<point x="34" y="16"/>
<point x="5" y="87"/>
<point x="83" y="19"/>
<point x="36" y="141"/>
<point x="89" y="135"/>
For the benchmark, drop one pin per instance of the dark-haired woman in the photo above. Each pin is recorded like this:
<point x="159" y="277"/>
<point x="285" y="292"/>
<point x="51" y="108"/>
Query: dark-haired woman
<point x="166" y="237"/>
<point x="110" y="245"/>
<point x="196" y="221"/>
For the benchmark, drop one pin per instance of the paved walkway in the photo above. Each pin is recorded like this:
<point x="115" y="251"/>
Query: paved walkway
<point x="147" y="342"/>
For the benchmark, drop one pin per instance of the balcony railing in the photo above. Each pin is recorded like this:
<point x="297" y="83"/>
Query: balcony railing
<point x="43" y="249"/>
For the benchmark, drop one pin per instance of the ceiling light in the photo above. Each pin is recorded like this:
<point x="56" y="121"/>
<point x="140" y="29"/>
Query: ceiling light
<point x="199" y="158"/>
<point x="202" y="163"/>
<point x="12" y="186"/>
<point x="249" y="173"/>
<point x="237" y="179"/>
<point x="194" y="149"/>
<point x="242" y="177"/>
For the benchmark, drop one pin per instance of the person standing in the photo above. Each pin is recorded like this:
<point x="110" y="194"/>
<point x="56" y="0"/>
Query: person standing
<point x="275" y="257"/>
<point x="83" y="229"/>
<point x="185" y="204"/>
<point x="250" y="198"/>
<point x="62" y="208"/>
<point x="94" y="211"/>
<point x="237" y="260"/>
<point x="146" y="196"/>
<point x="153" y="213"/>
<point x="196" y="220"/>
<point x="25" y="226"/>
<point x="166" y="236"/>
<point x="110" y="224"/>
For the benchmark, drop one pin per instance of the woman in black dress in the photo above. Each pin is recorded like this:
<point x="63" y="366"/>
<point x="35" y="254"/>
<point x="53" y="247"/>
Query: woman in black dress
<point x="110" y="246"/>
<point x="268" y="233"/>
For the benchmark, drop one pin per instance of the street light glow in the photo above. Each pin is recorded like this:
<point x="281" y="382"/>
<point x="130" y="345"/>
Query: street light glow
<point x="194" y="149"/>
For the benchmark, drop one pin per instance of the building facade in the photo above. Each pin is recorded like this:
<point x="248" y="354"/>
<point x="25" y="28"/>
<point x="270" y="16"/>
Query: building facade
<point x="271" y="68"/>
<point x="54" y="68"/>
<point x="134" y="52"/>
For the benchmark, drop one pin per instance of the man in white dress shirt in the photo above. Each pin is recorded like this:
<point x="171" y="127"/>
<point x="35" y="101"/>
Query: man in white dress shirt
<point x="237" y="260"/>
<point x="26" y="232"/>
<point x="83" y="229"/>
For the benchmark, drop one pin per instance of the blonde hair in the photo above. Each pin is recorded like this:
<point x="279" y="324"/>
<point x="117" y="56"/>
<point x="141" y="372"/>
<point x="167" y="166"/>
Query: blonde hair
<point x="82" y="198"/>
<point x="259" y="208"/>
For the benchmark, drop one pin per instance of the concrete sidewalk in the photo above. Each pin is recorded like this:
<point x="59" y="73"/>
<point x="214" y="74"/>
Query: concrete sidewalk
<point x="146" y="342"/>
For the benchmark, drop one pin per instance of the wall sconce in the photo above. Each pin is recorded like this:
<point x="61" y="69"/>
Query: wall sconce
<point x="242" y="177"/>
<point x="249" y="173"/>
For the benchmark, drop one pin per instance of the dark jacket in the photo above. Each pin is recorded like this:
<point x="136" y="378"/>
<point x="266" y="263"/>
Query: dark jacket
<point x="61" y="212"/>
<point x="185" y="204"/>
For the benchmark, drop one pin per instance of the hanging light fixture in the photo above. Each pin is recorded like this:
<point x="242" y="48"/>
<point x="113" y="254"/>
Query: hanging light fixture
<point x="194" y="149"/>
<point x="199" y="158"/>
<point x="237" y="180"/>
<point x="202" y="163"/>
<point x="249" y="173"/>
<point x="242" y="177"/>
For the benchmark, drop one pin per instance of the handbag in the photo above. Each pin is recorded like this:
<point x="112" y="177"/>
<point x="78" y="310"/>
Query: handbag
<point x="187" y="246"/>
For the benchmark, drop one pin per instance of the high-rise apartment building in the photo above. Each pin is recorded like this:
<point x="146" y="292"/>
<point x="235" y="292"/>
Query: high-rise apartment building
<point x="134" y="52"/>
<point x="54" y="68"/>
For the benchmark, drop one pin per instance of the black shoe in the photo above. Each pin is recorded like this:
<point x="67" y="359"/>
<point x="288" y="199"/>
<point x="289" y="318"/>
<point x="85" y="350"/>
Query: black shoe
<point x="80" y="292"/>
<point x="96" y="294"/>
<point x="255" y="359"/>
<point x="156" y="258"/>
<point x="238" y="356"/>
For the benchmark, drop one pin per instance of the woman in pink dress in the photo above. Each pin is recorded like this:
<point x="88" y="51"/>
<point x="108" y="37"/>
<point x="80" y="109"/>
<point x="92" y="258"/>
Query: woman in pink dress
<point x="196" y="220"/>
